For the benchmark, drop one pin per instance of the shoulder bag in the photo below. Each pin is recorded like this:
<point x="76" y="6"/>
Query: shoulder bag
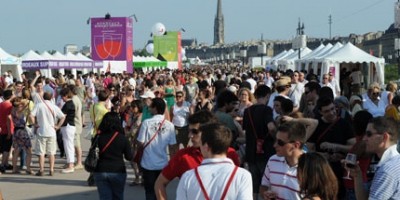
<point x="93" y="155"/>
<point x="140" y="150"/>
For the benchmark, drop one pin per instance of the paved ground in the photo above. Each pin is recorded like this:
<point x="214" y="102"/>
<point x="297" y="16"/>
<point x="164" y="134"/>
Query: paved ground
<point x="63" y="186"/>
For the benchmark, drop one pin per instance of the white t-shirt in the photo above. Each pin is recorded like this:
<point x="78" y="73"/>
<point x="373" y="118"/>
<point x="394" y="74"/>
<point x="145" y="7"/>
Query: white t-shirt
<point x="214" y="174"/>
<point x="356" y="76"/>
<point x="47" y="115"/>
<point x="253" y="84"/>
<point x="155" y="155"/>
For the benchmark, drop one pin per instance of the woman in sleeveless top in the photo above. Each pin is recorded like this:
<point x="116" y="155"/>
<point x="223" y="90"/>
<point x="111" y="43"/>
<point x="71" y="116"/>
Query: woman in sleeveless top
<point x="169" y="95"/>
<point x="21" y="138"/>
<point x="203" y="102"/>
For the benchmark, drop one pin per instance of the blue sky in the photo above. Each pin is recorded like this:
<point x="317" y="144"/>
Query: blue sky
<point x="50" y="24"/>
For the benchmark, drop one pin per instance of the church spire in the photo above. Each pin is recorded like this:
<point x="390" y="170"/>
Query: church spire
<point x="219" y="25"/>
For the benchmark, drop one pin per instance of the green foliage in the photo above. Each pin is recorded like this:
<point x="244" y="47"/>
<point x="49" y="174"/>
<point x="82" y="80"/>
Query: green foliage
<point x="391" y="73"/>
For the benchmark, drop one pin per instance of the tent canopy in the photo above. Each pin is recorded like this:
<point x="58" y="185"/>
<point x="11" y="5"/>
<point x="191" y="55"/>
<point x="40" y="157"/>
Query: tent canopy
<point x="140" y="62"/>
<point x="352" y="54"/>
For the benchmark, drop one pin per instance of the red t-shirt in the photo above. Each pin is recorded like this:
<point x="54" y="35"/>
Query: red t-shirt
<point x="189" y="158"/>
<point x="5" y="111"/>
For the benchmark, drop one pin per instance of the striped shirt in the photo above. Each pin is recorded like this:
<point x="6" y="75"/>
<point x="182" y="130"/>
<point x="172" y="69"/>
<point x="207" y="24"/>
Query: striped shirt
<point x="281" y="178"/>
<point x="386" y="182"/>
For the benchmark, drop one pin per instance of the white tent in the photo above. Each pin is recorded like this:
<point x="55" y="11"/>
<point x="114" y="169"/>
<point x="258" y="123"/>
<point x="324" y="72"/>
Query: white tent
<point x="10" y="62"/>
<point x="273" y="62"/>
<point x="303" y="61"/>
<point x="373" y="67"/>
<point x="288" y="62"/>
<point x="30" y="56"/>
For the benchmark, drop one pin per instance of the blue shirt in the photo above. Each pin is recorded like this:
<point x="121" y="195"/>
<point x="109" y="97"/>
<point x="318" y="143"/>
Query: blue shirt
<point x="386" y="182"/>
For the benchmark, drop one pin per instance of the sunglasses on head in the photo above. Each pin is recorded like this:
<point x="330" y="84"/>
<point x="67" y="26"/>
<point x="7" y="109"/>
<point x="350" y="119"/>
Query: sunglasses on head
<point x="194" y="131"/>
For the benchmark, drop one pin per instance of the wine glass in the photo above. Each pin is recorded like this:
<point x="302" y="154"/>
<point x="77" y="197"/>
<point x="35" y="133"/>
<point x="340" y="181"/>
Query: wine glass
<point x="350" y="162"/>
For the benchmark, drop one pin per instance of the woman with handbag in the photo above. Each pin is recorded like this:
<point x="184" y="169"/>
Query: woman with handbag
<point x="110" y="173"/>
<point x="21" y="138"/>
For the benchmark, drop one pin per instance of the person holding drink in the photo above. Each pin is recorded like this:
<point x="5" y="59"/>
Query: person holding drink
<point x="381" y="139"/>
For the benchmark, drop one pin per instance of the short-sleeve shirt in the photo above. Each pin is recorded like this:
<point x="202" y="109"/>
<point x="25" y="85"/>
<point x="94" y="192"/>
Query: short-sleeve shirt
<point x="69" y="110"/>
<point x="261" y="115"/>
<point x="47" y="114"/>
<point x="281" y="178"/>
<point x="5" y="110"/>
<point x="155" y="155"/>
<point x="214" y="174"/>
<point x="338" y="133"/>
<point x="189" y="158"/>
<point x="386" y="182"/>
<point x="97" y="112"/>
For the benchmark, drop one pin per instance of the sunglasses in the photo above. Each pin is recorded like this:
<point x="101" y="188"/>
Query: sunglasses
<point x="375" y="93"/>
<point x="179" y="96"/>
<point x="306" y="92"/>
<point x="369" y="133"/>
<point x="281" y="143"/>
<point x="194" y="131"/>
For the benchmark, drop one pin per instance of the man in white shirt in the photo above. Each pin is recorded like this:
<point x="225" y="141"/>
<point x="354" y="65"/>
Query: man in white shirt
<point x="156" y="134"/>
<point x="268" y="80"/>
<point x="296" y="90"/>
<point x="280" y="176"/>
<point x="49" y="118"/>
<point x="217" y="177"/>
<point x="335" y="84"/>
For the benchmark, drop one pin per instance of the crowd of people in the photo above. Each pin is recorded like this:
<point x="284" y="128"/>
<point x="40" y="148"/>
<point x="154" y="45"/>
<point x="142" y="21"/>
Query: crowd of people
<point x="225" y="133"/>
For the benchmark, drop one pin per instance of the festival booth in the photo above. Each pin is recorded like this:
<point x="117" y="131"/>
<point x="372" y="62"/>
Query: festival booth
<point x="10" y="62"/>
<point x="315" y="63"/>
<point x="302" y="64"/>
<point x="347" y="57"/>
<point x="273" y="62"/>
<point x="148" y="63"/>
<point x="56" y="63"/>
<point x="289" y="61"/>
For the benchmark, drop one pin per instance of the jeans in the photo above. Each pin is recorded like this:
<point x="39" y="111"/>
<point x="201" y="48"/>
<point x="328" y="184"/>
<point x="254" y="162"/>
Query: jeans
<point x="149" y="179"/>
<point x="110" y="185"/>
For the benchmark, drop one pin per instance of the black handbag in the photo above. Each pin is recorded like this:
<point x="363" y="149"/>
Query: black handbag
<point x="93" y="155"/>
